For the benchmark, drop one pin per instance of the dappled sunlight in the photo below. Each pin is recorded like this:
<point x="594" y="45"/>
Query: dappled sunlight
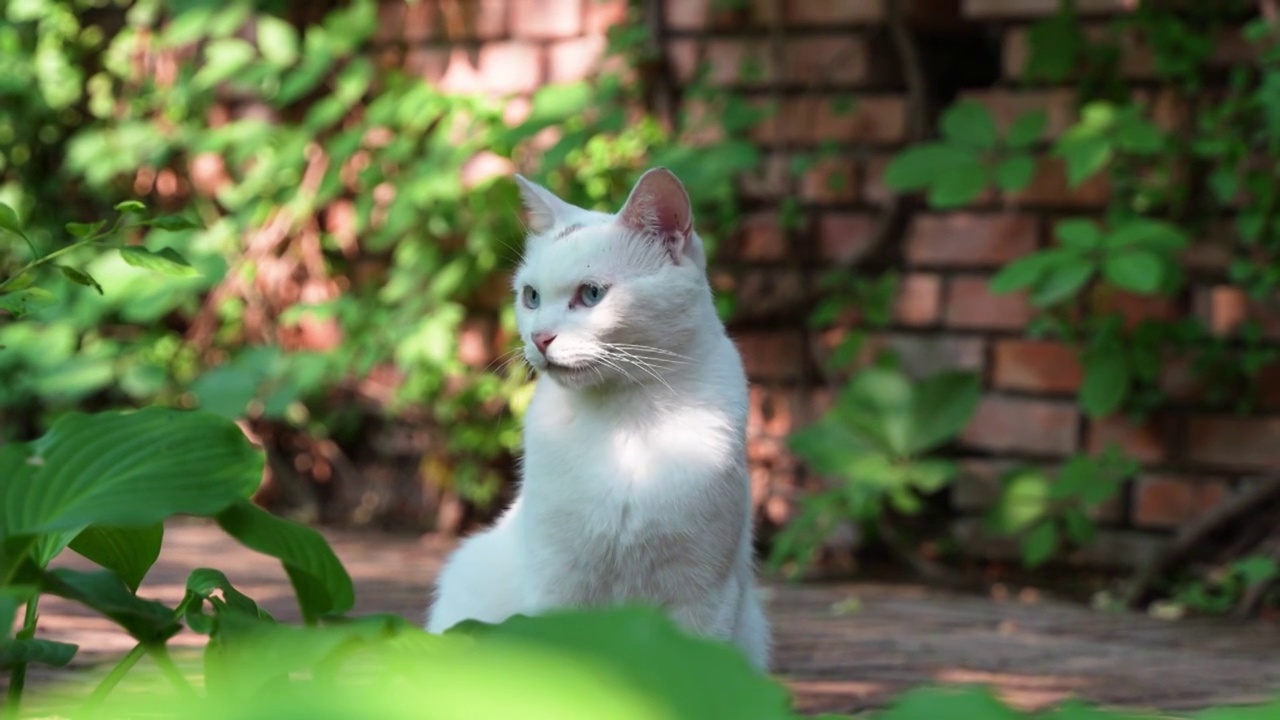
<point x="1025" y="692"/>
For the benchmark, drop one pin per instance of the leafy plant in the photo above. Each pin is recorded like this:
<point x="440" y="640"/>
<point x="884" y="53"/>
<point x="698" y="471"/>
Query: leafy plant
<point x="875" y="445"/>
<point x="1046" y="513"/>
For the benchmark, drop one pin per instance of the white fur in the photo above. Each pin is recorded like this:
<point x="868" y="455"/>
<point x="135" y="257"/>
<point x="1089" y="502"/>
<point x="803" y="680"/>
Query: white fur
<point x="635" y="484"/>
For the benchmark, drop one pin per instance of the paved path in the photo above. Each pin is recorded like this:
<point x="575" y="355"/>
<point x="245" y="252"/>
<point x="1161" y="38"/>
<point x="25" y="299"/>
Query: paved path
<point x="840" y="647"/>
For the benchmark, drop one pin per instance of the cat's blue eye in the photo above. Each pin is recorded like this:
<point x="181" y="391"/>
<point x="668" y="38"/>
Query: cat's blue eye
<point x="530" y="297"/>
<point x="590" y="294"/>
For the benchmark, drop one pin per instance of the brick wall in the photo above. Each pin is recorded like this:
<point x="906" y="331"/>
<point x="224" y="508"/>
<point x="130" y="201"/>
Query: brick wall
<point x="944" y="316"/>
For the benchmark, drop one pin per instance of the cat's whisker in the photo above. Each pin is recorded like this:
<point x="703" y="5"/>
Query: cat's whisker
<point x="651" y="349"/>
<point x="642" y="365"/>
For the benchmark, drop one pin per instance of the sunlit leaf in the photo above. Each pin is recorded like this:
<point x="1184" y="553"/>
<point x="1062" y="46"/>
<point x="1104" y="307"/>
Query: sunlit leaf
<point x="166" y="261"/>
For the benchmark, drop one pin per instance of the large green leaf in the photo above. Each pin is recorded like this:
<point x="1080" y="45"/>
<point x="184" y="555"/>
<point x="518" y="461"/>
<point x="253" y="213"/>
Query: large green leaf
<point x="35" y="650"/>
<point x="1028" y="128"/>
<point x="125" y="469"/>
<point x="129" y="552"/>
<point x="951" y="703"/>
<point x="920" y="166"/>
<point x="321" y="582"/>
<point x="658" y="661"/>
<point x="1063" y="280"/>
<point x="212" y="586"/>
<point x="146" y="620"/>
<point x="941" y="407"/>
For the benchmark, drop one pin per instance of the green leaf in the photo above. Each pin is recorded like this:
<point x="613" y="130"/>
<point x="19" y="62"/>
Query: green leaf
<point x="1024" y="499"/>
<point x="321" y="582"/>
<point x="1106" y="382"/>
<point x="125" y="468"/>
<point x="9" y="220"/>
<point x="129" y="552"/>
<point x="1040" y="544"/>
<point x="1015" y="173"/>
<point x="173" y="223"/>
<point x="82" y="230"/>
<point x="961" y="185"/>
<point x="1084" y="153"/>
<point x="1027" y="130"/>
<point x="13" y="597"/>
<point x="35" y="650"/>
<point x="669" y="667"/>
<point x="948" y="703"/>
<point x="1079" y="527"/>
<point x="277" y="40"/>
<point x="167" y="261"/>
<point x="131" y="207"/>
<point x="1063" y="281"/>
<point x="920" y="166"/>
<point x="147" y="621"/>
<point x="1024" y="272"/>
<point x="1139" y="271"/>
<point x="25" y="301"/>
<point x="969" y="123"/>
<point x="1078" y="234"/>
<point x="212" y="586"/>
<point x="79" y="277"/>
<point x="942" y="406"/>
<point x="1256" y="569"/>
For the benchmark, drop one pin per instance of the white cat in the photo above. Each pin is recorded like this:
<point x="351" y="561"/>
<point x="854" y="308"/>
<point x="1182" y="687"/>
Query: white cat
<point x="635" y="484"/>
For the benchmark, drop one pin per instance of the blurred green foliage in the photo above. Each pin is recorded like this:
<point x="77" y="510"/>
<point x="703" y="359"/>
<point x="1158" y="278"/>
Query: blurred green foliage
<point x="348" y="232"/>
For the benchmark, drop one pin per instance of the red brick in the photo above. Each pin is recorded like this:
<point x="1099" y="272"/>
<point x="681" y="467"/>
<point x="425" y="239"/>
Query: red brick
<point x="845" y="237"/>
<point x="421" y="21"/>
<point x="682" y="54"/>
<point x="825" y="13"/>
<point x="925" y="355"/>
<point x="1208" y="255"/>
<point x="1225" y="308"/>
<point x="769" y="292"/>
<point x="771" y="178"/>
<point x="776" y="411"/>
<point x="601" y="15"/>
<point x="730" y="60"/>
<point x="1049" y="187"/>
<point x="871" y="180"/>
<point x="546" y="19"/>
<point x="574" y="59"/>
<point x="818" y="118"/>
<point x="428" y="63"/>
<point x="1036" y="366"/>
<point x="1008" y="105"/>
<point x="830" y="180"/>
<point x="919" y="300"/>
<point x="1136" y="308"/>
<point x="970" y="239"/>
<point x="504" y="67"/>
<point x="1149" y="441"/>
<point x="834" y="59"/>
<point x="1232" y="441"/>
<point x="1165" y="501"/>
<point x="1021" y="425"/>
<point x="761" y="238"/>
<point x="771" y="354"/>
<point x="688" y="14"/>
<point x="1040" y="8"/>
<point x="971" y="305"/>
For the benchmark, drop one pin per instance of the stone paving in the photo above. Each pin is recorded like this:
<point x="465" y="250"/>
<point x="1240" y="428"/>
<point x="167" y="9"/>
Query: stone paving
<point x="841" y="647"/>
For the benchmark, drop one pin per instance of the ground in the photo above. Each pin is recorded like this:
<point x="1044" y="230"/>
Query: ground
<point x="841" y="647"/>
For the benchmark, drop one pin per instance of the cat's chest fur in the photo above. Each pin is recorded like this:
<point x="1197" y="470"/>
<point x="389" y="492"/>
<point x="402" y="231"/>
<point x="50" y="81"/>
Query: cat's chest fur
<point x="620" y="493"/>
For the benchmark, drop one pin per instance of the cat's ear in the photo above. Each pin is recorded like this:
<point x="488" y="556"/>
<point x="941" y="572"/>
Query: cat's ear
<point x="545" y="209"/>
<point x="659" y="205"/>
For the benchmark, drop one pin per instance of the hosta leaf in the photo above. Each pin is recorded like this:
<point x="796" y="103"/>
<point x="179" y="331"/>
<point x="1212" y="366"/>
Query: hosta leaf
<point x="127" y="469"/>
<point x="320" y="581"/>
<point x="129" y="552"/>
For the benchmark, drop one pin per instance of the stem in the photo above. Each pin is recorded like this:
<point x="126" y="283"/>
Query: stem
<point x="112" y="679"/>
<point x="160" y="654"/>
<point x="44" y="259"/>
<point x="18" y="678"/>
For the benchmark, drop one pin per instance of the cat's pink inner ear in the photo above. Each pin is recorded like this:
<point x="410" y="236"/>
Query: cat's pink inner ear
<point x="660" y="205"/>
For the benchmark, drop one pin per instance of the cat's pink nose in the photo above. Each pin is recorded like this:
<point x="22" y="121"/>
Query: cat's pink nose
<point x="542" y="340"/>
